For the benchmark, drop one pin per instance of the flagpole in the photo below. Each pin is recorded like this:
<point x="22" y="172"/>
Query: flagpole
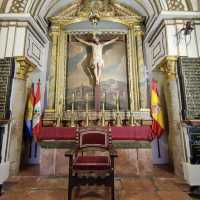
<point x="158" y="145"/>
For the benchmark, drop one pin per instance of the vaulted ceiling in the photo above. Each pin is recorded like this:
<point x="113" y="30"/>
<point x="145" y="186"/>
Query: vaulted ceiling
<point x="47" y="8"/>
<point x="42" y="9"/>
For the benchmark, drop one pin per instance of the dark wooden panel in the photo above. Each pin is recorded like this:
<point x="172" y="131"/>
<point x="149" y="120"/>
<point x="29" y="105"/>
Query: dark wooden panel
<point x="189" y="78"/>
<point x="194" y="139"/>
<point x="6" y="76"/>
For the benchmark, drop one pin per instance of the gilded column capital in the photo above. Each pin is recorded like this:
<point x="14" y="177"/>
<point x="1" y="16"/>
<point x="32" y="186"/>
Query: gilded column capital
<point x="55" y="30"/>
<point x="138" y="31"/>
<point x="23" y="67"/>
<point x="131" y="25"/>
<point x="168" y="66"/>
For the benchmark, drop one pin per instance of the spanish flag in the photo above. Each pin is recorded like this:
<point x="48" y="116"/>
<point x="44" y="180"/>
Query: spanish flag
<point x="29" y="112"/>
<point x="37" y="123"/>
<point x="156" y="111"/>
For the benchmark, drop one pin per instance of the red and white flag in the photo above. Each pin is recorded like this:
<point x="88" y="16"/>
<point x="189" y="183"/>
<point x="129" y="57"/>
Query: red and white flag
<point x="37" y="123"/>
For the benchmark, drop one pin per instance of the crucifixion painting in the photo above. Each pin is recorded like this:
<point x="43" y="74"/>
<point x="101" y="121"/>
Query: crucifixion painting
<point x="97" y="62"/>
<point x="97" y="66"/>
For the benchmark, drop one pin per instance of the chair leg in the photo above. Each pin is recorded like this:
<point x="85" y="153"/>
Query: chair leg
<point x="112" y="179"/>
<point x="70" y="186"/>
<point x="113" y="189"/>
<point x="70" y="191"/>
<point x="1" y="186"/>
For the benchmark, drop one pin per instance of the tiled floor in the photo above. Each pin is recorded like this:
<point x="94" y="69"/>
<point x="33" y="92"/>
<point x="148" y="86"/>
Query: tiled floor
<point x="161" y="185"/>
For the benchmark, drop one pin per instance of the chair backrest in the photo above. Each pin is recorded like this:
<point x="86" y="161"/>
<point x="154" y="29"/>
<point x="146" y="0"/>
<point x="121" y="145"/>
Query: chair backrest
<point x="93" y="137"/>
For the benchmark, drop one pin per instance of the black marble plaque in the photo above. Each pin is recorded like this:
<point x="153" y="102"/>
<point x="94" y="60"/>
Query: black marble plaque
<point x="6" y="76"/>
<point x="194" y="139"/>
<point x="189" y="76"/>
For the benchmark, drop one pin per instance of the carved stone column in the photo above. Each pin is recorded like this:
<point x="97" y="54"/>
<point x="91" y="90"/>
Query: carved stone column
<point x="133" y="70"/>
<point x="141" y="68"/>
<point x="175" y="138"/>
<point x="55" y="31"/>
<point x="18" y="103"/>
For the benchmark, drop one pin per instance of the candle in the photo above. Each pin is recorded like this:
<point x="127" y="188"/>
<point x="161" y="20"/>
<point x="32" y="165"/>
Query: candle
<point x="86" y="96"/>
<point x="73" y="97"/>
<point x="104" y="97"/>
<point x="117" y="101"/>
<point x="103" y="106"/>
<point x="86" y="102"/>
<point x="103" y="102"/>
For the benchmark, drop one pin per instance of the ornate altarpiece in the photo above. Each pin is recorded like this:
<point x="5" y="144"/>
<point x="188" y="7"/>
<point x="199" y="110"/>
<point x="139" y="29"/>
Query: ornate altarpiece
<point x="108" y="11"/>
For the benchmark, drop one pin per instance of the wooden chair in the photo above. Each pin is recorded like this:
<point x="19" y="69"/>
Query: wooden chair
<point x="87" y="165"/>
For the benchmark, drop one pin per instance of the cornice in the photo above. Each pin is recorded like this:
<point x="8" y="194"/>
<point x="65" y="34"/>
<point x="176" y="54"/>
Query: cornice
<point x="170" y="15"/>
<point x="25" y="17"/>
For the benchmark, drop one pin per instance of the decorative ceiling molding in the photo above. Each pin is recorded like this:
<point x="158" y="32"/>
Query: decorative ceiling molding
<point x="18" y="6"/>
<point x="175" y="5"/>
<point x="104" y="8"/>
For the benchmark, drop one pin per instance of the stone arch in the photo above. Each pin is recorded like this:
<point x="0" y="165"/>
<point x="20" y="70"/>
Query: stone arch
<point x="42" y="9"/>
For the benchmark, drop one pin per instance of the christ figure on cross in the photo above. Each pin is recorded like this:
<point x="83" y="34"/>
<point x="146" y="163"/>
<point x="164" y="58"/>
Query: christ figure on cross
<point x="97" y="62"/>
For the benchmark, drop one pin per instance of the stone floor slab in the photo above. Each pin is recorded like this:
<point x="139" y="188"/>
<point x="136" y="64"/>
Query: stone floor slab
<point x="160" y="186"/>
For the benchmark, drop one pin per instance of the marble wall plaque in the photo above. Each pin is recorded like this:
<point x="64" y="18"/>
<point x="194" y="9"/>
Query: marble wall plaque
<point x="189" y="76"/>
<point x="6" y="75"/>
<point x="194" y="139"/>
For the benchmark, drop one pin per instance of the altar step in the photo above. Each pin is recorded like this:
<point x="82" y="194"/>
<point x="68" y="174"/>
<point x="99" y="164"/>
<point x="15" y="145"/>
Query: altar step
<point x="163" y="185"/>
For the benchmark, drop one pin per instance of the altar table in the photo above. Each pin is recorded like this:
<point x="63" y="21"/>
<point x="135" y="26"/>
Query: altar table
<point x="132" y="143"/>
<point x="118" y="133"/>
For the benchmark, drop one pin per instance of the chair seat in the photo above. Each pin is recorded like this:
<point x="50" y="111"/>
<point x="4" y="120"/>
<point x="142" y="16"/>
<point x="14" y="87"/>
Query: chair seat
<point x="92" y="163"/>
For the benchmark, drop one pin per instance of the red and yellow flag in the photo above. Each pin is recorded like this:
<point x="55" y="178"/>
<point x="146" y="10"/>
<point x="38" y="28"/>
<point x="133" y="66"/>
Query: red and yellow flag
<point x="156" y="111"/>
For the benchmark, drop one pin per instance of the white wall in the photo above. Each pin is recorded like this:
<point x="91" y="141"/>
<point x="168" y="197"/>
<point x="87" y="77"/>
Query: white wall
<point x="168" y="39"/>
<point x="12" y="41"/>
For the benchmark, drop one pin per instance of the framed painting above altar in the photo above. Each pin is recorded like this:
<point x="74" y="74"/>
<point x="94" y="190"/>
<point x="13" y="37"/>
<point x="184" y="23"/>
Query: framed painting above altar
<point x="113" y="79"/>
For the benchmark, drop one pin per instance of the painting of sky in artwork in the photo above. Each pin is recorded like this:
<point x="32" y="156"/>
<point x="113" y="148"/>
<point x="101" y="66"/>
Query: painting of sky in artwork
<point x="113" y="79"/>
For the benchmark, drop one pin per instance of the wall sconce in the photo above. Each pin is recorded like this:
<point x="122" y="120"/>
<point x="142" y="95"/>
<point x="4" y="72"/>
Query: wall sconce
<point x="186" y="30"/>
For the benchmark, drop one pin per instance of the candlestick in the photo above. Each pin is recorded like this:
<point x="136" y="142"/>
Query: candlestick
<point x="59" y="111"/>
<point x="104" y="97"/>
<point x="86" y="107"/>
<point x="103" y="107"/>
<point x="132" y="119"/>
<point x="72" y="120"/>
<point x="117" y="101"/>
<point x="103" y="114"/>
<point x="73" y="98"/>
<point x="86" y="96"/>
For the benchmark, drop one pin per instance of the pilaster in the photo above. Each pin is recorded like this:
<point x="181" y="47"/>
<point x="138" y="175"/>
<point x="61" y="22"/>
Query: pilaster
<point x="175" y="138"/>
<point x="23" y="67"/>
<point x="133" y="70"/>
<point x="55" y="32"/>
<point x="141" y="67"/>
